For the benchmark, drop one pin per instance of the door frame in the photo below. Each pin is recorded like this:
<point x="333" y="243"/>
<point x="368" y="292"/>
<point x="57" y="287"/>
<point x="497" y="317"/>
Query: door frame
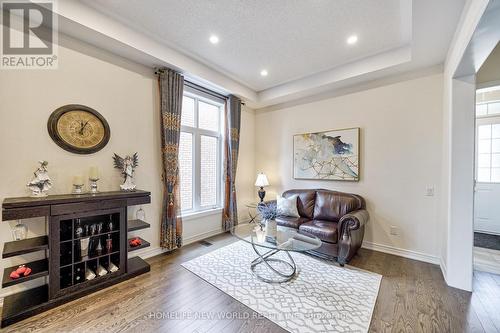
<point x="477" y="35"/>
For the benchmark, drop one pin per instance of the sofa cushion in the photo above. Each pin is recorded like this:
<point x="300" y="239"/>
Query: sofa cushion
<point x="332" y="205"/>
<point x="324" y="230"/>
<point x="291" y="222"/>
<point x="305" y="201"/>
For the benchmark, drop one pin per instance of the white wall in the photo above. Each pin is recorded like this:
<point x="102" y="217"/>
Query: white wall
<point x="400" y="156"/>
<point x="126" y="94"/>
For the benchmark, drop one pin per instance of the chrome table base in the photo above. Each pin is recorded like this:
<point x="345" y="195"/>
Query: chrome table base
<point x="266" y="259"/>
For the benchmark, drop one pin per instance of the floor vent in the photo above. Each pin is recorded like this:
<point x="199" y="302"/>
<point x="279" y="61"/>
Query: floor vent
<point x="205" y="243"/>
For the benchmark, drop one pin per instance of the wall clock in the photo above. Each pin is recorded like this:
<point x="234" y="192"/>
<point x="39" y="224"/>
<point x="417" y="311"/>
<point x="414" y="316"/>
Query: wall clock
<point x="78" y="129"/>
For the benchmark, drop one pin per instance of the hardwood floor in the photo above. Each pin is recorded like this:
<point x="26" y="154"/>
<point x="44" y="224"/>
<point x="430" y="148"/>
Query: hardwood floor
<point x="413" y="298"/>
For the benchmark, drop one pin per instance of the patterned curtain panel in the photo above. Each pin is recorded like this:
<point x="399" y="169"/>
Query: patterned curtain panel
<point x="171" y="88"/>
<point x="232" y="122"/>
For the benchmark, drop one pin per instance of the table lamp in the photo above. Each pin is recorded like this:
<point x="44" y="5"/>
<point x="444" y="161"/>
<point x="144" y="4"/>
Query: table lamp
<point x="261" y="182"/>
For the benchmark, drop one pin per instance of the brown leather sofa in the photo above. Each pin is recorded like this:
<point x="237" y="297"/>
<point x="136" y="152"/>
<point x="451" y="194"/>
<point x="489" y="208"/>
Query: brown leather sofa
<point x="337" y="218"/>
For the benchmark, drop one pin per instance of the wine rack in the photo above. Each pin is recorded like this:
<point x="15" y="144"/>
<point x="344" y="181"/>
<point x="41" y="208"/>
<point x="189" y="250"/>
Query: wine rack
<point x="90" y="249"/>
<point x="86" y="248"/>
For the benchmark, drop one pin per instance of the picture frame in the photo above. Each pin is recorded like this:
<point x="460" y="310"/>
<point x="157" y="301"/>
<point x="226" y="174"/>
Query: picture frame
<point x="328" y="155"/>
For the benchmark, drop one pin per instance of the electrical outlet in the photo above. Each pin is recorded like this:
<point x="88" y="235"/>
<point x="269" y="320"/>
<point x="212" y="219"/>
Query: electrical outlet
<point x="394" y="230"/>
<point x="429" y="191"/>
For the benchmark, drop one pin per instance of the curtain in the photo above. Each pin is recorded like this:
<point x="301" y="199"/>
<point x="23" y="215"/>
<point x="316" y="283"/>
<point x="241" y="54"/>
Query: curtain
<point x="232" y="120"/>
<point x="171" y="86"/>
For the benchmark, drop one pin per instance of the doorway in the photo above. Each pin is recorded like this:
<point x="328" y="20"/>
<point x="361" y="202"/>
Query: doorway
<point x="487" y="176"/>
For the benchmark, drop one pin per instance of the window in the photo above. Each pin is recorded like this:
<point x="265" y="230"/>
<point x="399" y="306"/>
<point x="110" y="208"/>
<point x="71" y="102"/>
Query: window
<point x="485" y="109"/>
<point x="200" y="158"/>
<point x="488" y="135"/>
<point x="488" y="152"/>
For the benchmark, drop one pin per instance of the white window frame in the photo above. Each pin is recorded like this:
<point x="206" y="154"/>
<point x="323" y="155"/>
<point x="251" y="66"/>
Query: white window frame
<point x="487" y="104"/>
<point x="196" y="167"/>
<point x="484" y="120"/>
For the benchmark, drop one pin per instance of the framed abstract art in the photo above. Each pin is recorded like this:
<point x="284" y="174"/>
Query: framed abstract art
<point x="330" y="155"/>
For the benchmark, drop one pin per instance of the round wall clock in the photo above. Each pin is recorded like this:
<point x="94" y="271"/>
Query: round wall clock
<point x="78" y="129"/>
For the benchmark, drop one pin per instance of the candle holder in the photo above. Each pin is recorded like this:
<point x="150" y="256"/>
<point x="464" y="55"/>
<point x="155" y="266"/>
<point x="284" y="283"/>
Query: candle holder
<point x="93" y="185"/>
<point x="77" y="188"/>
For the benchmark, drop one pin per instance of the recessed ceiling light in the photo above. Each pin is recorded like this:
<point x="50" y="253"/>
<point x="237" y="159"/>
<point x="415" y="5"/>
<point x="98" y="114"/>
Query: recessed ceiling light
<point x="214" y="39"/>
<point x="263" y="72"/>
<point x="351" y="40"/>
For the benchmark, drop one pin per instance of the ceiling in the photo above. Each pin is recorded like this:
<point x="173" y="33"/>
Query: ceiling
<point x="289" y="38"/>
<point x="302" y="44"/>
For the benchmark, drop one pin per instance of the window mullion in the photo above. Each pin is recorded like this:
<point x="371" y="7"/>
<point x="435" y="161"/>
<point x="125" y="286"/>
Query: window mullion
<point x="198" y="171"/>
<point x="197" y="166"/>
<point x="491" y="150"/>
<point x="219" y="172"/>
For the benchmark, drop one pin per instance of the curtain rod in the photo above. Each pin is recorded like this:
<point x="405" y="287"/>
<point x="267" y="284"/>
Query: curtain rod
<point x="204" y="90"/>
<point x="200" y="88"/>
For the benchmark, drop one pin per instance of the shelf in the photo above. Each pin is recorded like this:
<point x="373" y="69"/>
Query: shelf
<point x="136" y="266"/>
<point x="89" y="236"/>
<point x="21" y="304"/>
<point x="143" y="245"/>
<point x="15" y="248"/>
<point x="133" y="225"/>
<point x="90" y="258"/>
<point x="21" y="202"/>
<point x="95" y="257"/>
<point x="39" y="268"/>
<point x="24" y="304"/>
<point x="96" y="280"/>
<point x="27" y="207"/>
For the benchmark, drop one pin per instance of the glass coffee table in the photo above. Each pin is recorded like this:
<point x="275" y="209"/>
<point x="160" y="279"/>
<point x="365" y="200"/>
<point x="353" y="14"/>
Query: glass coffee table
<point x="286" y="240"/>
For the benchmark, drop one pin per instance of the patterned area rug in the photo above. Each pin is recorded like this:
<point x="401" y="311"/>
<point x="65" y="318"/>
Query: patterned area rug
<point x="323" y="297"/>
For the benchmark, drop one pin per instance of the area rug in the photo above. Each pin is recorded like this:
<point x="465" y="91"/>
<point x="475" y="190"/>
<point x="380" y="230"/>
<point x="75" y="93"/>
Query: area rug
<point x="323" y="297"/>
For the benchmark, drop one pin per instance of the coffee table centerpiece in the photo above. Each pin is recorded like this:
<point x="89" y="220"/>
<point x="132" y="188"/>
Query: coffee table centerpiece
<point x="283" y="240"/>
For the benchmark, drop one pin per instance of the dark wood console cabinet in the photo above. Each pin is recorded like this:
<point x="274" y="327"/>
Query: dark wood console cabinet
<point x="64" y="265"/>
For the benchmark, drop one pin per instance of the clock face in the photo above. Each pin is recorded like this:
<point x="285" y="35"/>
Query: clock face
<point x="78" y="129"/>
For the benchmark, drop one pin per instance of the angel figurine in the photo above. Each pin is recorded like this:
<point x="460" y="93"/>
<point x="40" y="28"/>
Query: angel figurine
<point x="40" y="183"/>
<point x="127" y="165"/>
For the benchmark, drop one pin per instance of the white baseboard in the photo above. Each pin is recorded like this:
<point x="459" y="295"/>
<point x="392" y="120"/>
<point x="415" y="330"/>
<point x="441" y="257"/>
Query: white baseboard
<point x="442" y="264"/>
<point x="402" y="252"/>
<point x="199" y="237"/>
<point x="488" y="231"/>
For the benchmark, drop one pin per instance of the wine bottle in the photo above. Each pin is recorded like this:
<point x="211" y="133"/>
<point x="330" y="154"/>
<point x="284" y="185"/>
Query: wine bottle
<point x="79" y="274"/>
<point x="91" y="246"/>
<point x="78" y="229"/>
<point x="99" y="246"/>
<point x="109" y="244"/>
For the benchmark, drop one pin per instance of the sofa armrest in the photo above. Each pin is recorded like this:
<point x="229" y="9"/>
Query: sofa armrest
<point x="353" y="221"/>
<point x="352" y="230"/>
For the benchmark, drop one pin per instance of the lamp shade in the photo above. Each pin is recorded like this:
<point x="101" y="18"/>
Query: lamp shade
<point x="261" y="180"/>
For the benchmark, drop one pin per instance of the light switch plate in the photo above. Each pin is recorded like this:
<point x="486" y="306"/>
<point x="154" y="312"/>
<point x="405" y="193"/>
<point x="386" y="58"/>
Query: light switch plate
<point x="429" y="191"/>
<point x="394" y="230"/>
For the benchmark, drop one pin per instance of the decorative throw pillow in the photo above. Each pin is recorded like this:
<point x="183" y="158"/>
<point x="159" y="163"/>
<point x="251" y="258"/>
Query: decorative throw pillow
<point x="287" y="206"/>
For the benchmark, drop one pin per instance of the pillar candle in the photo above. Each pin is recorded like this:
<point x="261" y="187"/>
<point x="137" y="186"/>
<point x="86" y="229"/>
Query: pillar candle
<point x="93" y="173"/>
<point x="78" y="180"/>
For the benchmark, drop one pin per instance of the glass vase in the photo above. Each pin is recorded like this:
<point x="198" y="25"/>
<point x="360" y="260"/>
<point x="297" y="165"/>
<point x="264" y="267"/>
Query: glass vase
<point x="140" y="214"/>
<point x="19" y="232"/>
